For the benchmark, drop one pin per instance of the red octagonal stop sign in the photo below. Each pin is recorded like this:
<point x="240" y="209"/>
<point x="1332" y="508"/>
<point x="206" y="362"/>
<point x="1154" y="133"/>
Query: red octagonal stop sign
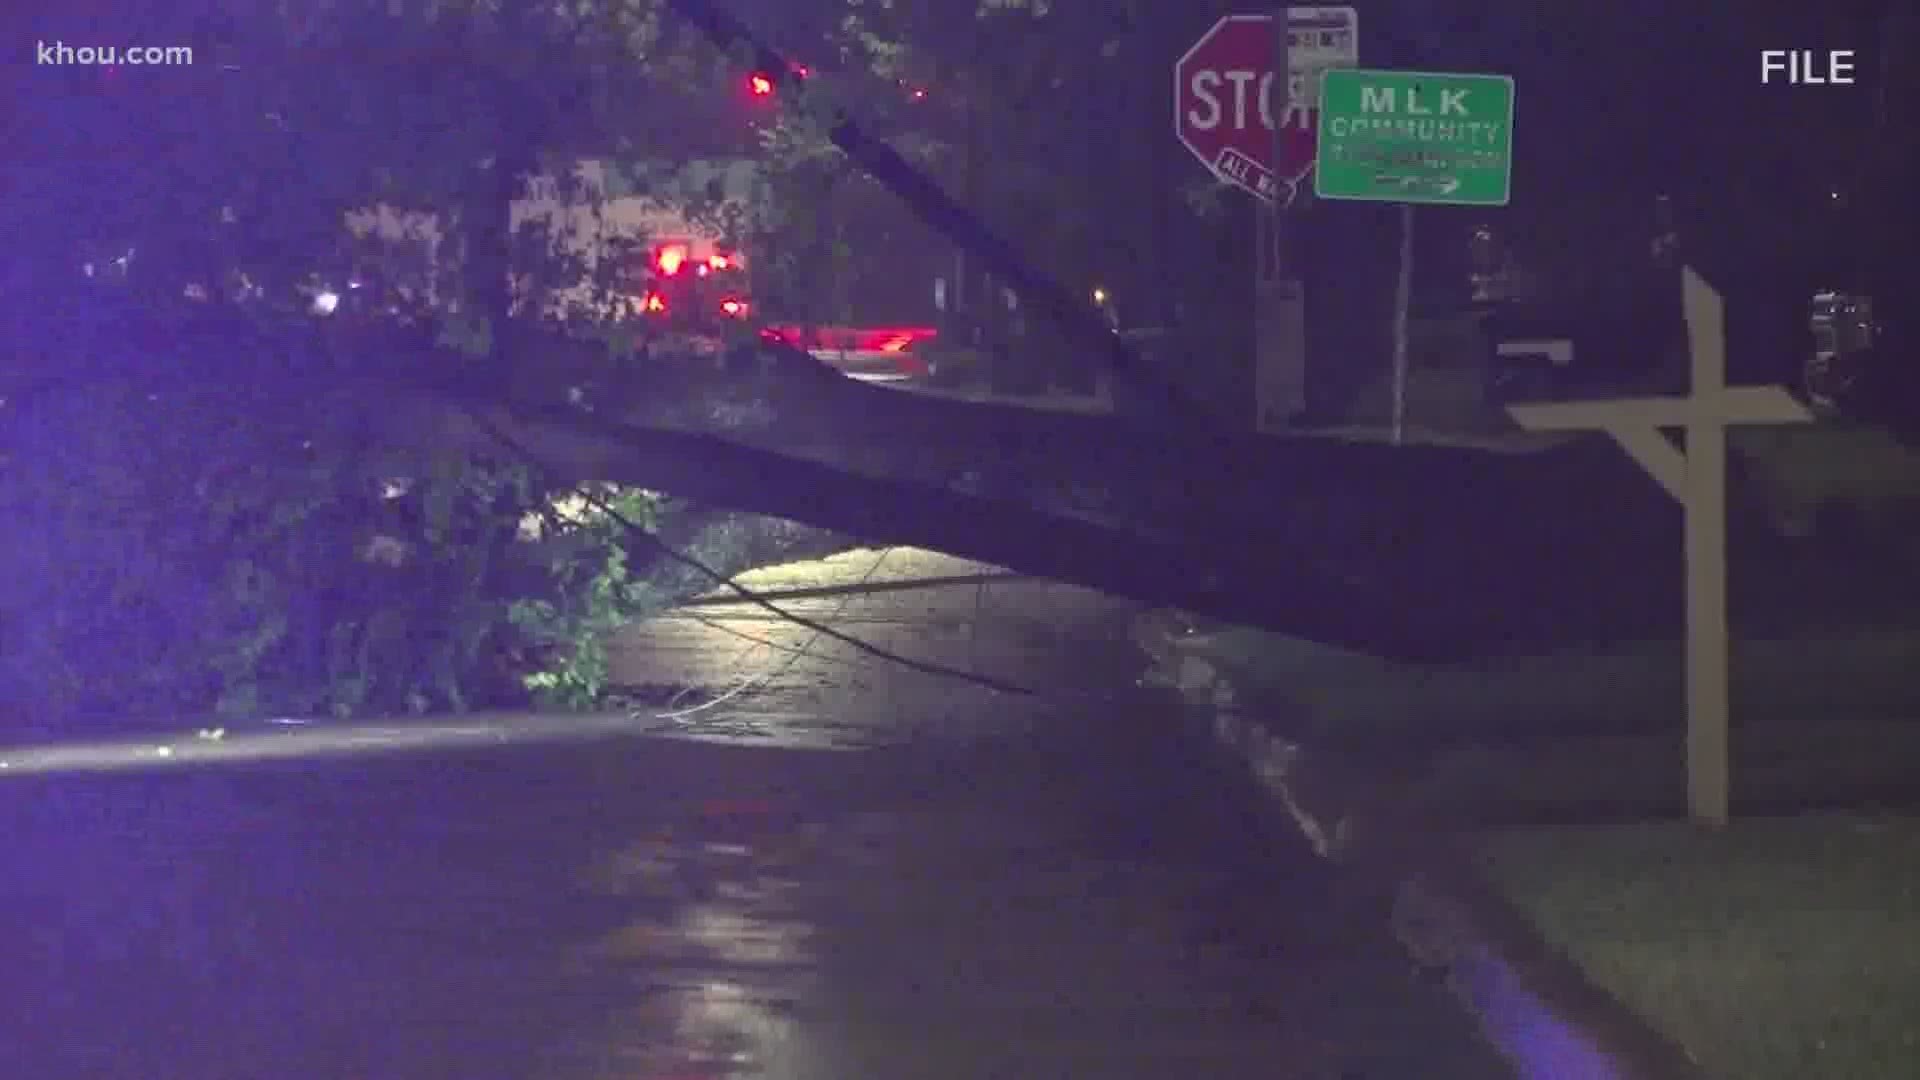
<point x="1226" y="101"/>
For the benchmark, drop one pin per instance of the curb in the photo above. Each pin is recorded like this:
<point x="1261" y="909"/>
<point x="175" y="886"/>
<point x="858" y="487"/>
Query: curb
<point x="1531" y="1002"/>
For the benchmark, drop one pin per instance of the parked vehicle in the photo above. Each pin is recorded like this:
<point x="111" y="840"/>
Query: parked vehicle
<point x="871" y="354"/>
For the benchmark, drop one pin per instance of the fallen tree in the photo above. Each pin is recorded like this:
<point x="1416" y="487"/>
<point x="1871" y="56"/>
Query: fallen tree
<point x="1420" y="553"/>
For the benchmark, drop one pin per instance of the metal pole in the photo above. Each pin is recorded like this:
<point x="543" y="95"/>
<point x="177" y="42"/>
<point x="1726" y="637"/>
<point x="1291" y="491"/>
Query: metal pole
<point x="1280" y="350"/>
<point x="1161" y="152"/>
<point x="1276" y="255"/>
<point x="966" y="294"/>
<point x="1402" y="301"/>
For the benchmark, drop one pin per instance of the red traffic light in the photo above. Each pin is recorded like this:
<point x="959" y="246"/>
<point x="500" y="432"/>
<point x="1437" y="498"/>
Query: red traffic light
<point x="760" y="85"/>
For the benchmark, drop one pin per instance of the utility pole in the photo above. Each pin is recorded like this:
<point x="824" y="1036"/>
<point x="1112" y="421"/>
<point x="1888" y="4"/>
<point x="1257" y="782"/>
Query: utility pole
<point x="979" y="299"/>
<point x="966" y="297"/>
<point x="1090" y="258"/>
<point x="1160" y="151"/>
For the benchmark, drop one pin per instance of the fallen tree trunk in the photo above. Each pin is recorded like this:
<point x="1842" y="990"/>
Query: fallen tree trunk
<point x="1419" y="553"/>
<point x="1218" y="580"/>
<point x="1415" y="553"/>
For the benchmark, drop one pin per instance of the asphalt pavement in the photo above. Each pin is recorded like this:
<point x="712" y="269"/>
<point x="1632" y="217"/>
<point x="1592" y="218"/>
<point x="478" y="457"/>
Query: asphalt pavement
<point x="791" y="861"/>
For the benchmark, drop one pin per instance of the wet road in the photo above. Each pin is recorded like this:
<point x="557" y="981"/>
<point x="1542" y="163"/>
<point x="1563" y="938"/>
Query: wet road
<point x="842" y="871"/>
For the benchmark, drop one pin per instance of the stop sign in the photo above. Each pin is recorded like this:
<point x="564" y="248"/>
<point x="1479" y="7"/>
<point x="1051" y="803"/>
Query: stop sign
<point x="1226" y="102"/>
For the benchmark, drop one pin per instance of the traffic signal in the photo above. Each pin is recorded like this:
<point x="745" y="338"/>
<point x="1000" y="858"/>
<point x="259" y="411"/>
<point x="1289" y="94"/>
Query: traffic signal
<point x="760" y="84"/>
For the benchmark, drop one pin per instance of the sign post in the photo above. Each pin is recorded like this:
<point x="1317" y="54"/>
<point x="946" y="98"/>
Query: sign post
<point x="1244" y="105"/>
<point x="1415" y="137"/>
<point x="1697" y="476"/>
<point x="1402" y="305"/>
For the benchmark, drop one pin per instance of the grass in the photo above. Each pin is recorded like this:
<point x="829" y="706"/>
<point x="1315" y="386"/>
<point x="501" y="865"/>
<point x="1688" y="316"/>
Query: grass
<point x="1588" y="778"/>
<point x="1817" y="721"/>
<point x="1780" y="949"/>
<point x="1843" y="680"/>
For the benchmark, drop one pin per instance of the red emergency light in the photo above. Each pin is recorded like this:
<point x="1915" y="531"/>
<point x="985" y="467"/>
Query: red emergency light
<point x="893" y="339"/>
<point x="734" y="309"/>
<point x="653" y="303"/>
<point x="671" y="258"/>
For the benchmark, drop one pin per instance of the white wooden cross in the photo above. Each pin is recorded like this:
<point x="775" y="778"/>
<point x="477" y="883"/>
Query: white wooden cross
<point x="1697" y="476"/>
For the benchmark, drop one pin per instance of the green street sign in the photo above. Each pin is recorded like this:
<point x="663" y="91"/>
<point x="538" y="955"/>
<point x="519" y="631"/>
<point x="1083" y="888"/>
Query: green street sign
<point x="1415" y="137"/>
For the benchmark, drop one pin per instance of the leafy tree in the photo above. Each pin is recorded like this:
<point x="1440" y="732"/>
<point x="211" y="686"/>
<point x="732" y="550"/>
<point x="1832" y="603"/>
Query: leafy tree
<point x="218" y="538"/>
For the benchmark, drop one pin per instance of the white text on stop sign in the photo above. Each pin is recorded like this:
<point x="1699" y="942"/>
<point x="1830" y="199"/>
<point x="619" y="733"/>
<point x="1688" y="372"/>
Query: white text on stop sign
<point x="1210" y="112"/>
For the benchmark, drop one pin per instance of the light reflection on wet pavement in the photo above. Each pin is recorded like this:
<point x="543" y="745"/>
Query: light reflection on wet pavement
<point x="991" y="888"/>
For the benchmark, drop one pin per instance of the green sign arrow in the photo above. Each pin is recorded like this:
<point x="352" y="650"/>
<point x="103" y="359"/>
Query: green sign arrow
<point x="1415" y="137"/>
